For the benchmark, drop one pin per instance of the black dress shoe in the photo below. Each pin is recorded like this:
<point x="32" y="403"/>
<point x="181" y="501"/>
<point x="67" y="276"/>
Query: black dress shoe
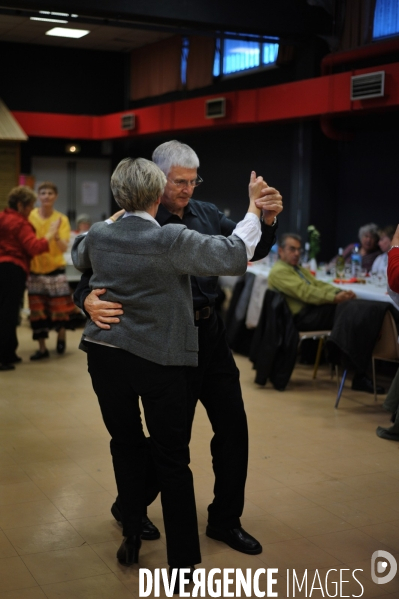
<point x="188" y="577"/>
<point x="386" y="433"/>
<point x="7" y="367"/>
<point x="128" y="552"/>
<point x="40" y="355"/>
<point x="236" y="538"/>
<point x="363" y="383"/>
<point x="61" y="347"/>
<point x="149" y="531"/>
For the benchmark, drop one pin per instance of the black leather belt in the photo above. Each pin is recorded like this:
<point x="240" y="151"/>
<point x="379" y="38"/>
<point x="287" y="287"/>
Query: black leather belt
<point x="204" y="312"/>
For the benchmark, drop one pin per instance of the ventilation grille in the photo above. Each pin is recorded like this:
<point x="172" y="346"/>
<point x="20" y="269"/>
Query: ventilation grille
<point x="128" y="122"/>
<point x="368" y="86"/>
<point x="215" y="109"/>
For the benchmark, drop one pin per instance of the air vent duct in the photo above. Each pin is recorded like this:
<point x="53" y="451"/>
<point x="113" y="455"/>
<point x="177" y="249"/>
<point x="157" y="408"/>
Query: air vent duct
<point x="128" y="122"/>
<point x="215" y="109"/>
<point x="367" y="86"/>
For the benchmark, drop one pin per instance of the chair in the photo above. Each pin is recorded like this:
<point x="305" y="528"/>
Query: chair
<point x="322" y="336"/>
<point x="387" y="346"/>
<point x="386" y="349"/>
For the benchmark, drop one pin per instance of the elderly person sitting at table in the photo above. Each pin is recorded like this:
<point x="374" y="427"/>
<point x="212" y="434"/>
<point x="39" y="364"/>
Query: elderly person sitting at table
<point x="380" y="264"/>
<point x="369" y="250"/>
<point x="313" y="303"/>
<point x="147" y="267"/>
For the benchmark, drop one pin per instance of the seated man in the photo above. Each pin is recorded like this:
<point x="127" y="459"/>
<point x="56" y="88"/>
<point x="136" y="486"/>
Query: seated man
<point x="311" y="302"/>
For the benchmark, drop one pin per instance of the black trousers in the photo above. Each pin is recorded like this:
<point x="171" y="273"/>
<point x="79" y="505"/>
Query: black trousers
<point x="216" y="383"/>
<point x="118" y="378"/>
<point x="12" y="286"/>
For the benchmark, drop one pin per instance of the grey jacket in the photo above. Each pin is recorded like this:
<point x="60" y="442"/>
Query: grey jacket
<point x="147" y="269"/>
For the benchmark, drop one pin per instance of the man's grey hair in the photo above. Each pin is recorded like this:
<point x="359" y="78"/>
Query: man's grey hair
<point x="285" y="236"/>
<point x="137" y="183"/>
<point x="174" y="153"/>
<point x="370" y="229"/>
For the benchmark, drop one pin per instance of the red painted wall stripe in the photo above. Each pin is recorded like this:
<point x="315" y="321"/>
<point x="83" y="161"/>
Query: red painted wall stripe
<point x="310" y="98"/>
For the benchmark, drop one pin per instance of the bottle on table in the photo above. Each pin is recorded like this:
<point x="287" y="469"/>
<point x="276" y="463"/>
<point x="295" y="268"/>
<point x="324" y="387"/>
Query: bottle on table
<point x="356" y="262"/>
<point x="305" y="256"/>
<point x="340" y="264"/>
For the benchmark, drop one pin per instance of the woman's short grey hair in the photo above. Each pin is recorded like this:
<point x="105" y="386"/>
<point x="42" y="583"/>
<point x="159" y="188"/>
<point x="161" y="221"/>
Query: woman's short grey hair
<point x="174" y="153"/>
<point x="137" y="183"/>
<point x="370" y="229"/>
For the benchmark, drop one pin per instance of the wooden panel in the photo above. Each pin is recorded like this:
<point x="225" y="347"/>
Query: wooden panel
<point x="9" y="169"/>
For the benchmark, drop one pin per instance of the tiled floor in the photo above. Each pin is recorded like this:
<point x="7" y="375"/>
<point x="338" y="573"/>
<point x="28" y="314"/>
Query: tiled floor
<point x="322" y="489"/>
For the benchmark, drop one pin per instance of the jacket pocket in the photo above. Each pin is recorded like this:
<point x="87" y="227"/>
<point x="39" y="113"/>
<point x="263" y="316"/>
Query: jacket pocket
<point x="191" y="338"/>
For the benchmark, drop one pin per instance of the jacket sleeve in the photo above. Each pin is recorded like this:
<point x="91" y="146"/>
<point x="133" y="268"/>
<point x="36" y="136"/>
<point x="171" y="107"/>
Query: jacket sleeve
<point x="30" y="243"/>
<point x="293" y="285"/>
<point x="208" y="255"/>
<point x="80" y="253"/>
<point x="393" y="269"/>
<point x="266" y="242"/>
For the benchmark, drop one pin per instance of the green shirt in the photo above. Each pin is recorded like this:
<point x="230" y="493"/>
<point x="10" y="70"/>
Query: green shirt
<point x="300" y="289"/>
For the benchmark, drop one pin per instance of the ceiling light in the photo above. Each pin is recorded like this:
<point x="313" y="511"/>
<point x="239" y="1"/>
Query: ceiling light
<point x="47" y="20"/>
<point x="60" y="14"/>
<point x="66" y="32"/>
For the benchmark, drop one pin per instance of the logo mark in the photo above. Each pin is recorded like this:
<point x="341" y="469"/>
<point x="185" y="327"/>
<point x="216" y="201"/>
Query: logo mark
<point x="379" y="567"/>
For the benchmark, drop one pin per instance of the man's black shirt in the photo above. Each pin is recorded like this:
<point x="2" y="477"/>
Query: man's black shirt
<point x="206" y="218"/>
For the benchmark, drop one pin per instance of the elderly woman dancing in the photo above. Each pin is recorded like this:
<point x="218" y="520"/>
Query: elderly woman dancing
<point x="147" y="268"/>
<point x="18" y="244"/>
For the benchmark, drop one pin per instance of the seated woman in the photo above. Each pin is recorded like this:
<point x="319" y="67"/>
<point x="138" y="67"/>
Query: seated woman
<point x="369" y="250"/>
<point x="147" y="268"/>
<point x="380" y="264"/>
<point x="18" y="244"/>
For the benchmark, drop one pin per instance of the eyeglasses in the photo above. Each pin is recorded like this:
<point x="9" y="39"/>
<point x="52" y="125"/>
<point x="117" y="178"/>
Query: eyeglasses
<point x="182" y="183"/>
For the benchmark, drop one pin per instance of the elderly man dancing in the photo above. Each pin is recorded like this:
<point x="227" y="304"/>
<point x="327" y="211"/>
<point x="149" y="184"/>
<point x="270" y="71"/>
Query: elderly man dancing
<point x="215" y="382"/>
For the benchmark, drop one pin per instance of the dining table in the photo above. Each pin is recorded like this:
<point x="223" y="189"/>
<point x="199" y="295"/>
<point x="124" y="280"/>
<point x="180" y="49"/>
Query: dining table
<point x="257" y="283"/>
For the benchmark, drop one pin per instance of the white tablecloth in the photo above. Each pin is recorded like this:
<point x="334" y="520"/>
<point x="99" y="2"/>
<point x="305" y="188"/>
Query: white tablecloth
<point x="365" y="291"/>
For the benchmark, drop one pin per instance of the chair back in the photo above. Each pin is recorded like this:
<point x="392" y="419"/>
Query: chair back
<point x="387" y="346"/>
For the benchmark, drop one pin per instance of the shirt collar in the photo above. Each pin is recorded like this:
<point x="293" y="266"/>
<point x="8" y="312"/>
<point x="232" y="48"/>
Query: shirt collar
<point x="164" y="215"/>
<point x="141" y="214"/>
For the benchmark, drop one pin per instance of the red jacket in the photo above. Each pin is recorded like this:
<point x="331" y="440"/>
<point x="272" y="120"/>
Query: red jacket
<point x="393" y="269"/>
<point x="18" y="241"/>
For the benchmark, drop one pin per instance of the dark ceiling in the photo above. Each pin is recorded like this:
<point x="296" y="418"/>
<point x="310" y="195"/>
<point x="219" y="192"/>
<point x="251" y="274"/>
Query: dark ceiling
<point x="121" y="25"/>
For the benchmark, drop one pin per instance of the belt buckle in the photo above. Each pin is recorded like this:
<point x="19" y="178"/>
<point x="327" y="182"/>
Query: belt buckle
<point x="206" y="312"/>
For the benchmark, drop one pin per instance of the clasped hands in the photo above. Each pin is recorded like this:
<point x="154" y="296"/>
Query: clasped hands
<point x="267" y="199"/>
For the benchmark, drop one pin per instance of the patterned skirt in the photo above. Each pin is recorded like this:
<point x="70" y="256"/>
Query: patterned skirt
<point x="50" y="303"/>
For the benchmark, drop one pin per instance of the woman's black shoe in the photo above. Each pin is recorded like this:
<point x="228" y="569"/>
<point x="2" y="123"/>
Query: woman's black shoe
<point x="128" y="552"/>
<point x="149" y="531"/>
<point x="187" y="578"/>
<point x="61" y="347"/>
